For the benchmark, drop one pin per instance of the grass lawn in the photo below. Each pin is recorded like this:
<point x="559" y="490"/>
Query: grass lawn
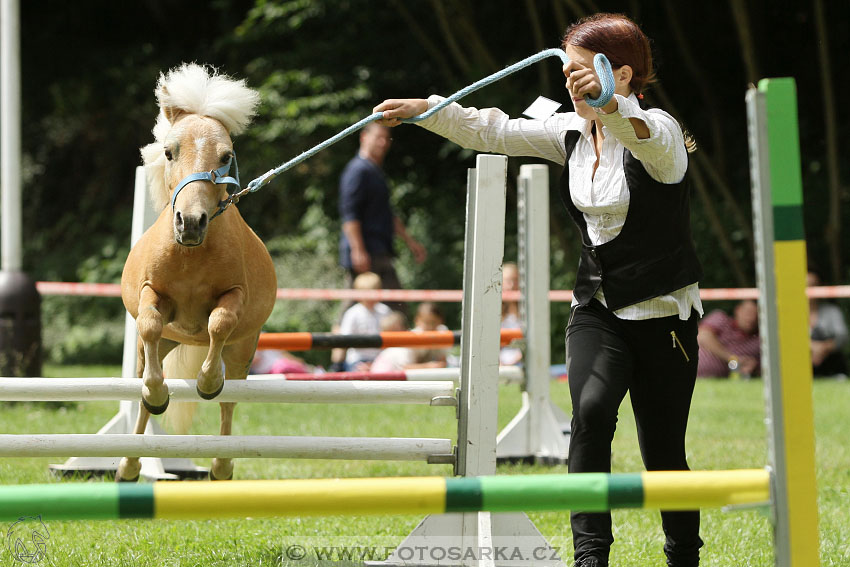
<point x="726" y="431"/>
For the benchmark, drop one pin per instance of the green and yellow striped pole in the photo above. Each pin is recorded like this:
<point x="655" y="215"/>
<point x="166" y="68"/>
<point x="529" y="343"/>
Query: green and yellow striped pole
<point x="784" y="318"/>
<point x="675" y="490"/>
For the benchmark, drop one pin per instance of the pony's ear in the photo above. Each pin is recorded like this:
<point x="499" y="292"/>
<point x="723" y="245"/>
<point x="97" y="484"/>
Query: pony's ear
<point x="170" y="112"/>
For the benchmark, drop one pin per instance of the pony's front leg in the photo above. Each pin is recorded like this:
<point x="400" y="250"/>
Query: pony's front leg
<point x="129" y="468"/>
<point x="223" y="320"/>
<point x="153" y="310"/>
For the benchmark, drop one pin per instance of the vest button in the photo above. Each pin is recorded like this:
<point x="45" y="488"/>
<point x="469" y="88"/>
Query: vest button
<point x="593" y="252"/>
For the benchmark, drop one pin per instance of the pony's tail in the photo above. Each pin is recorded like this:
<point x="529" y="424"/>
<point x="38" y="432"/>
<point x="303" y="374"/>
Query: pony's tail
<point x="182" y="363"/>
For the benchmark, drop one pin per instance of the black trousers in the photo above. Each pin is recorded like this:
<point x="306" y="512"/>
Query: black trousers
<point x="655" y="360"/>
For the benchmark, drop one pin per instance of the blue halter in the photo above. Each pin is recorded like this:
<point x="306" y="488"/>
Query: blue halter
<point x="218" y="177"/>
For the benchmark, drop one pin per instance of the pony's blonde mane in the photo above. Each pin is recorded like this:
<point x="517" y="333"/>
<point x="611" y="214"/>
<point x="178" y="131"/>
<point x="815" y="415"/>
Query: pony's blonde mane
<point x="194" y="89"/>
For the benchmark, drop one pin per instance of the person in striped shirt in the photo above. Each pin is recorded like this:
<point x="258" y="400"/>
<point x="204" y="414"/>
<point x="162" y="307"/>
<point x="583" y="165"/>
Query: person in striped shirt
<point x="730" y="346"/>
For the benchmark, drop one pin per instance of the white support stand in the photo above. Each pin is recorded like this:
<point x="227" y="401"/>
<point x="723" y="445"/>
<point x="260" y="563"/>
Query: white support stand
<point x="482" y="538"/>
<point x="539" y="433"/>
<point x="125" y="420"/>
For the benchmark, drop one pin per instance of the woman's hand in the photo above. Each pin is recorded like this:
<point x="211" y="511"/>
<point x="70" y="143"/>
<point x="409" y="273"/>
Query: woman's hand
<point x="582" y="81"/>
<point x="397" y="109"/>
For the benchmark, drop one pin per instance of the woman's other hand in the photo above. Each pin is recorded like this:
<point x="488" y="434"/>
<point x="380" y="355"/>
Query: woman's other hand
<point x="397" y="109"/>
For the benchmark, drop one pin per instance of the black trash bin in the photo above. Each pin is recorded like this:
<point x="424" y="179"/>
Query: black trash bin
<point x="20" y="325"/>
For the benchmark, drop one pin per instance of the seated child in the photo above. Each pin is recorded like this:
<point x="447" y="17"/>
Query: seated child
<point x="429" y="317"/>
<point x="393" y="359"/>
<point x="363" y="318"/>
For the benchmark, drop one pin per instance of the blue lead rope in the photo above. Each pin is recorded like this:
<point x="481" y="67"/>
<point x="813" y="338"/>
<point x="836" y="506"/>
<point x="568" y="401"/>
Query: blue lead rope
<point x="600" y="64"/>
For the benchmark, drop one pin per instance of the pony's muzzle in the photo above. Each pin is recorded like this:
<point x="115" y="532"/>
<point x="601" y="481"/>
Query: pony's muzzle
<point x="190" y="229"/>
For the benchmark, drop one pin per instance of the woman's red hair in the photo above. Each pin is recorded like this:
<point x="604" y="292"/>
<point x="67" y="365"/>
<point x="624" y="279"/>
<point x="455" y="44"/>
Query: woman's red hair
<point x="622" y="42"/>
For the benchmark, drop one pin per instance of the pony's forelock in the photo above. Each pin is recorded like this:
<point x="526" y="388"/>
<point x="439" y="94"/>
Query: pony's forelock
<point x="197" y="89"/>
<point x="194" y="89"/>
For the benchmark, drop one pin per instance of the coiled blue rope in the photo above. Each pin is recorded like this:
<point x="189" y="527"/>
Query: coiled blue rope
<point x="600" y="64"/>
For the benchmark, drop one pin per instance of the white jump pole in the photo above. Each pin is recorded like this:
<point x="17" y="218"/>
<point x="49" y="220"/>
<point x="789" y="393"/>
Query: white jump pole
<point x="540" y="431"/>
<point x="506" y="374"/>
<point x="478" y="395"/>
<point x="246" y="446"/>
<point x="258" y="391"/>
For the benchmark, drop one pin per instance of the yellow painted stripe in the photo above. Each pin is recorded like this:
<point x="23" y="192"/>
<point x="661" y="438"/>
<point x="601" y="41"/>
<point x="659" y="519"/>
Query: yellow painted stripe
<point x="796" y="364"/>
<point x="264" y="498"/>
<point x="793" y="310"/>
<point x="689" y="490"/>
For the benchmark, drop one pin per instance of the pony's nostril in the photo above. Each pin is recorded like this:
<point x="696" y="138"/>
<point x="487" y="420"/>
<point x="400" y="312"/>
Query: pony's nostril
<point x="202" y="224"/>
<point x="178" y="220"/>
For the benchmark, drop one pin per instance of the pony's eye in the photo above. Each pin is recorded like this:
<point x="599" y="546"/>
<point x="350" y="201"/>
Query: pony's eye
<point x="168" y="155"/>
<point x="226" y="157"/>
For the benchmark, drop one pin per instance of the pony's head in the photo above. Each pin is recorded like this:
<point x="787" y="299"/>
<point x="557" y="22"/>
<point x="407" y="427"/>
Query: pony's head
<point x="199" y="111"/>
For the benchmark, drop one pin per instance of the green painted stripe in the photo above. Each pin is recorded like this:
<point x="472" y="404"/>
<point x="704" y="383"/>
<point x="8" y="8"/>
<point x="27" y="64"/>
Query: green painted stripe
<point x="788" y="223"/>
<point x="135" y="500"/>
<point x="783" y="141"/>
<point x="463" y="494"/>
<point x="68" y="501"/>
<point x="586" y="492"/>
<point x="625" y="491"/>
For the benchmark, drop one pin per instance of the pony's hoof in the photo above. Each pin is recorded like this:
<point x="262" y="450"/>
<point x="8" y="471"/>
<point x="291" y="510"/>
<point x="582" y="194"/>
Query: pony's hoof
<point x="155" y="410"/>
<point x="206" y="396"/>
<point x="212" y="476"/>
<point x="122" y="479"/>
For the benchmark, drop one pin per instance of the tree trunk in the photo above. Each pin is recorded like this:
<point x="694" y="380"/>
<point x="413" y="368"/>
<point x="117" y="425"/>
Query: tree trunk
<point x="832" y="231"/>
<point x="433" y="51"/>
<point x="716" y="178"/>
<point x="707" y="203"/>
<point x="748" y="52"/>
<point x="539" y="45"/>
<point x="704" y="86"/>
<point x="448" y="35"/>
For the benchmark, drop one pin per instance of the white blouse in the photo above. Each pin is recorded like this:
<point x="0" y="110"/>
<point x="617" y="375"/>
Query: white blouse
<point x="603" y="196"/>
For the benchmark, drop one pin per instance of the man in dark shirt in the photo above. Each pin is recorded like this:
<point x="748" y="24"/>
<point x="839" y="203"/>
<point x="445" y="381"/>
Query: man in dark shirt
<point x="368" y="222"/>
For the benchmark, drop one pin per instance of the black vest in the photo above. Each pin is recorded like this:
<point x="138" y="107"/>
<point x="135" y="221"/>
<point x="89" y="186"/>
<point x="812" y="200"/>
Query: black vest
<point x="653" y="255"/>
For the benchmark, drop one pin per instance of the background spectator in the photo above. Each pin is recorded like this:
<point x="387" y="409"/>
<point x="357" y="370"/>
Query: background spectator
<point x="828" y="333"/>
<point x="724" y="340"/>
<point x="509" y="356"/>
<point x="273" y="361"/>
<point x="368" y="221"/>
<point x="363" y="318"/>
<point x="429" y="317"/>
<point x="393" y="359"/>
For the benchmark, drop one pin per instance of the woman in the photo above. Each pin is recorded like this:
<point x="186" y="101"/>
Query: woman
<point x="633" y="325"/>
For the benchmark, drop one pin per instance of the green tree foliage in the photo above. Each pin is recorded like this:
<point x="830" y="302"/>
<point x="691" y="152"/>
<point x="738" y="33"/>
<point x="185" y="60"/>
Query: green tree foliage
<point x="89" y="70"/>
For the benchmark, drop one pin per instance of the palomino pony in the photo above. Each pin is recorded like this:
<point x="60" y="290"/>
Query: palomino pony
<point x="197" y="281"/>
